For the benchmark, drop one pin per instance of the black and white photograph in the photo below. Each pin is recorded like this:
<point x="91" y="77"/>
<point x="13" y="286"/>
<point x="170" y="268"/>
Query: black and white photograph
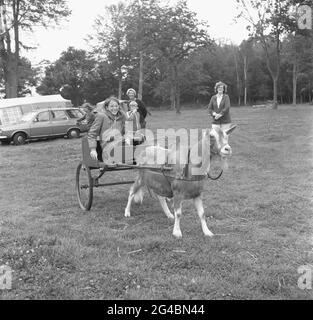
<point x="156" y="151"/>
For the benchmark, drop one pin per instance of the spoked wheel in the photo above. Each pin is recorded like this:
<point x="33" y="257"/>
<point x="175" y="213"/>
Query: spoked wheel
<point x="84" y="186"/>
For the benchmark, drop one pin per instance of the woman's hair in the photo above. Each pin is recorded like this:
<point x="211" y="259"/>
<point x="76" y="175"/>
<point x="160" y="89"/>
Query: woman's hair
<point x="108" y="100"/>
<point x="131" y="90"/>
<point x="218" y="84"/>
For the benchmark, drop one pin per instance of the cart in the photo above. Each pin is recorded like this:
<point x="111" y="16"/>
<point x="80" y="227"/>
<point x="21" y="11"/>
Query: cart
<point x="89" y="171"/>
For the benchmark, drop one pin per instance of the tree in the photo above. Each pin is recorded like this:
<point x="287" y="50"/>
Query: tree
<point x="70" y="72"/>
<point x="272" y="23"/>
<point x="17" y="15"/>
<point x="109" y="40"/>
<point x="141" y="20"/>
<point x="298" y="52"/>
<point x="27" y="78"/>
<point x="177" y="34"/>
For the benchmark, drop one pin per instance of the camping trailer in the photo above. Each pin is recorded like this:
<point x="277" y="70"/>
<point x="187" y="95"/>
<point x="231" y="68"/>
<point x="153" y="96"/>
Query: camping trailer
<point x="11" y="110"/>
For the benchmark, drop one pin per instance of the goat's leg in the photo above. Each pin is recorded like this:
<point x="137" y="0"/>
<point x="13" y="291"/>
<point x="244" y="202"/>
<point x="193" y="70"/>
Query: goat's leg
<point x="165" y="207"/>
<point x="129" y="202"/>
<point x="199" y="206"/>
<point x="177" y="211"/>
<point x="135" y="188"/>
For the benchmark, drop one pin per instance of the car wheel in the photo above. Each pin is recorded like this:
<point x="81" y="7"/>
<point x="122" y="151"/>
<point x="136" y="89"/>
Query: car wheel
<point x="19" y="138"/>
<point x="73" y="133"/>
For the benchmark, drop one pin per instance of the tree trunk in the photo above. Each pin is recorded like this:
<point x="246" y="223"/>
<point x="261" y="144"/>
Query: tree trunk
<point x="176" y="88"/>
<point x="120" y="73"/>
<point x="172" y="97"/>
<point x="178" y="99"/>
<point x="275" y="103"/>
<point x="294" y="84"/>
<point x="120" y="78"/>
<point x="173" y="88"/>
<point x="15" y="80"/>
<point x="11" y="78"/>
<point x="237" y="77"/>
<point x="245" y="79"/>
<point x="9" y="59"/>
<point x="140" y="86"/>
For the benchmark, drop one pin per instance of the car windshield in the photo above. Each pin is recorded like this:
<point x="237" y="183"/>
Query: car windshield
<point x="28" y="116"/>
<point x="74" y="113"/>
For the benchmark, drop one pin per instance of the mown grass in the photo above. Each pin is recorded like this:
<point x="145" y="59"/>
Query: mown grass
<point x="260" y="211"/>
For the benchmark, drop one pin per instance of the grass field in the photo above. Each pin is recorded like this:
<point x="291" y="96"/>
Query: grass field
<point x="260" y="211"/>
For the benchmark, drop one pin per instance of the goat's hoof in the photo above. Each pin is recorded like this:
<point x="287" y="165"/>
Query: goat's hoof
<point x="209" y="234"/>
<point x="177" y="235"/>
<point x="127" y="214"/>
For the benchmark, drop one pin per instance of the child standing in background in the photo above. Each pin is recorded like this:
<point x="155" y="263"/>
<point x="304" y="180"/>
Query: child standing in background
<point x="131" y="93"/>
<point x="132" y="123"/>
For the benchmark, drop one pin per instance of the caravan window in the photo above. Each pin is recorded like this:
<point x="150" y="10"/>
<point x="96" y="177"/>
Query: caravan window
<point x="11" y="115"/>
<point x="27" y="117"/>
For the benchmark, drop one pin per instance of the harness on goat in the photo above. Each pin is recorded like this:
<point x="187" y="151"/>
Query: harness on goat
<point x="218" y="176"/>
<point x="185" y="171"/>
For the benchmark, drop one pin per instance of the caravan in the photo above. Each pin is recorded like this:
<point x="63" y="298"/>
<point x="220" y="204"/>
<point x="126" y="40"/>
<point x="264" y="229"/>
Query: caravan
<point x="12" y="110"/>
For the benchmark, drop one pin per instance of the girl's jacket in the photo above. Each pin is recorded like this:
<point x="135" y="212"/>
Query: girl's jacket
<point x="108" y="127"/>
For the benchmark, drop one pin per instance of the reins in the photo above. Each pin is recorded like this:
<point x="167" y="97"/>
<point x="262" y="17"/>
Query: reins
<point x="185" y="170"/>
<point x="216" y="178"/>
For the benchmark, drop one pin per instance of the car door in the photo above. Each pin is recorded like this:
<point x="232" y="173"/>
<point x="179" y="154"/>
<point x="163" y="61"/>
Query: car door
<point x="60" y="122"/>
<point x="41" y="125"/>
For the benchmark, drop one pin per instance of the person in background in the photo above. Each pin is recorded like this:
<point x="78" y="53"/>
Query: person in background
<point x="132" y="123"/>
<point x="131" y="93"/>
<point x="109" y="127"/>
<point x="219" y="107"/>
<point x="89" y="116"/>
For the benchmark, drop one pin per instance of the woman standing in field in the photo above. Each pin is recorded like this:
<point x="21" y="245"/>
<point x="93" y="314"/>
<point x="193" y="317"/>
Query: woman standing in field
<point x="219" y="107"/>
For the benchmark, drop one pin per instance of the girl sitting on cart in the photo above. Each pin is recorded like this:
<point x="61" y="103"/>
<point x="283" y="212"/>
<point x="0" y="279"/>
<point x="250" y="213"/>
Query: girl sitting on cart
<point x="109" y="127"/>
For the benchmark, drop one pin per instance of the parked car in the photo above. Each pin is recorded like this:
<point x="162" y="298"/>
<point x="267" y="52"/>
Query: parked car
<point x="44" y="123"/>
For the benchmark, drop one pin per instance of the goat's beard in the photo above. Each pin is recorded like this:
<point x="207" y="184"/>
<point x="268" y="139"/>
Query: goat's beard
<point x="224" y="163"/>
<point x="220" y="161"/>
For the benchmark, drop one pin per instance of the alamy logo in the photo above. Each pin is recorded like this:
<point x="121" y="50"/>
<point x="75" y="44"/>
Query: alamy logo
<point x="304" y="17"/>
<point x="5" y="278"/>
<point x="305" y="280"/>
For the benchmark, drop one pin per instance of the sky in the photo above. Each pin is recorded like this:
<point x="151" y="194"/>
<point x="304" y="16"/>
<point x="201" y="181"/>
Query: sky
<point x="51" y="42"/>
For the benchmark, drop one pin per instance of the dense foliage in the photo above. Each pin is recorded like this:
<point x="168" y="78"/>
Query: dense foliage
<point x="166" y="53"/>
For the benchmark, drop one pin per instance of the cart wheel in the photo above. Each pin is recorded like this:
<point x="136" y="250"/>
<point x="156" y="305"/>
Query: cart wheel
<point x="84" y="187"/>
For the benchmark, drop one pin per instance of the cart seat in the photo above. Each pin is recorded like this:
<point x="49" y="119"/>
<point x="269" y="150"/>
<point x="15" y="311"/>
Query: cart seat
<point x="127" y="155"/>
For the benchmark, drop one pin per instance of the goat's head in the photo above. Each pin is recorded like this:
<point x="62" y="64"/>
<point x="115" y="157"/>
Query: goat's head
<point x="219" y="142"/>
